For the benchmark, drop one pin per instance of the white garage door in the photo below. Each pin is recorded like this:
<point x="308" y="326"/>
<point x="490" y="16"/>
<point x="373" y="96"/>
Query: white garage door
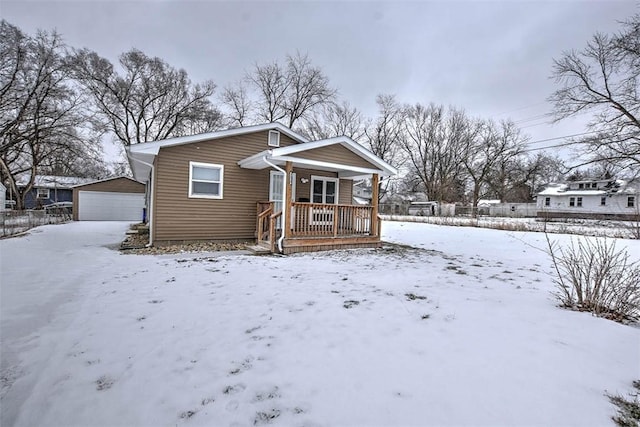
<point x="105" y="206"/>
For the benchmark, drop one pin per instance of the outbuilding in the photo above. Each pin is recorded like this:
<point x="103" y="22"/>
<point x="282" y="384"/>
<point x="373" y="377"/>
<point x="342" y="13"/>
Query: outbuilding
<point x="114" y="199"/>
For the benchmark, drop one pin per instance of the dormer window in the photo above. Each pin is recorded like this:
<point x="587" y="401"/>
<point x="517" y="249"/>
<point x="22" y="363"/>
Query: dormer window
<point x="274" y="138"/>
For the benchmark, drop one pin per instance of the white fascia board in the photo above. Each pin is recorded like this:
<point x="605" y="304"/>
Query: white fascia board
<point x="154" y="147"/>
<point x="255" y="161"/>
<point x="327" y="165"/>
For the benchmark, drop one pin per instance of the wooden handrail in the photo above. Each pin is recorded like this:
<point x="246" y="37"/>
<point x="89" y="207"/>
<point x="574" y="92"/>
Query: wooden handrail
<point x="276" y="215"/>
<point x="272" y="229"/>
<point x="330" y="205"/>
<point x="265" y="213"/>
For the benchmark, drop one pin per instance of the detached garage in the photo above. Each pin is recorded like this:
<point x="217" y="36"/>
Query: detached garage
<point x="114" y="199"/>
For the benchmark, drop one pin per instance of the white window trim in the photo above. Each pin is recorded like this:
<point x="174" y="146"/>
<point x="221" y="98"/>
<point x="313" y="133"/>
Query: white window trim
<point x="277" y="143"/>
<point x="324" y="178"/>
<point x="38" y="196"/>
<point x="210" y="166"/>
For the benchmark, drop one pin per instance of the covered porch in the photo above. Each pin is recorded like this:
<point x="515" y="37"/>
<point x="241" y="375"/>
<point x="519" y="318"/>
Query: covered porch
<point x="321" y="220"/>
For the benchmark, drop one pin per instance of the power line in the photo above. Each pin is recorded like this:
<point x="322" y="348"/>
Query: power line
<point x="564" y="144"/>
<point x="521" y="108"/>
<point x="533" y="118"/>
<point x="562" y="137"/>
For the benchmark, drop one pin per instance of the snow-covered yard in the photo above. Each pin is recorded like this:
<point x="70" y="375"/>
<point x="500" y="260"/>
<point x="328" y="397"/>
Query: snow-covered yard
<point x="460" y="330"/>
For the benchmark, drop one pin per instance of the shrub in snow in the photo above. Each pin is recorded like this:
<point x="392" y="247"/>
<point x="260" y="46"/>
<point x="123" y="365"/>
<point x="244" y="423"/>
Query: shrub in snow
<point x="591" y="275"/>
<point x="628" y="409"/>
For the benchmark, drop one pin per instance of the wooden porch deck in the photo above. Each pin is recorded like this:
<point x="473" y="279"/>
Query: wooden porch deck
<point x="316" y="226"/>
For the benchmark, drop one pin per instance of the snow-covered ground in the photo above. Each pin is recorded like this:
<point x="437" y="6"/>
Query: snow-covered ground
<point x="460" y="331"/>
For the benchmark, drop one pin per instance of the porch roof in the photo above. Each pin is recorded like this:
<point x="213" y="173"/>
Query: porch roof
<point x="279" y="156"/>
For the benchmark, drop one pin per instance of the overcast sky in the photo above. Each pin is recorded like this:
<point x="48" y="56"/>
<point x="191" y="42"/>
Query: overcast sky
<point x="493" y="58"/>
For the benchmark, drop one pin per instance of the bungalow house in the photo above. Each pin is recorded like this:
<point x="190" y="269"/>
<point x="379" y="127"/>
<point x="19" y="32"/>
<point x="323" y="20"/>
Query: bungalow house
<point x="265" y="183"/>
<point x="592" y="198"/>
<point x="48" y="189"/>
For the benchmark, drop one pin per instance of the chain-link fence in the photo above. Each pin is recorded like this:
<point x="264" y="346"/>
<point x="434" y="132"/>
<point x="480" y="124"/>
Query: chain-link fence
<point x="15" y="222"/>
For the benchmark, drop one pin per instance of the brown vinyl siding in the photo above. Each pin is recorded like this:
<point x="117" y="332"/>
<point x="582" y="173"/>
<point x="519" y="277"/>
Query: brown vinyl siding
<point x="345" y="192"/>
<point x="114" y="185"/>
<point x="176" y="217"/>
<point x="335" y="154"/>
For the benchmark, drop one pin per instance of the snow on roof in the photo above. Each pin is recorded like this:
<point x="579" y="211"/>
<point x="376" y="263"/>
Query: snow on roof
<point x="619" y="186"/>
<point x="50" y="181"/>
<point x="488" y="202"/>
<point x="96" y="181"/>
<point x="361" y="201"/>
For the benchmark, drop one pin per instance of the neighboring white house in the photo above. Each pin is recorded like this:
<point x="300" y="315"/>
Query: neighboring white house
<point x="362" y="192"/>
<point x="592" y="198"/>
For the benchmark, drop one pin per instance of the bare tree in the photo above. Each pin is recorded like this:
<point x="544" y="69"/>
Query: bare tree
<point x="149" y="100"/>
<point x="271" y="83"/>
<point x="602" y="79"/>
<point x="519" y="178"/>
<point x="383" y="135"/>
<point x="237" y="101"/>
<point x="491" y="148"/>
<point x="435" y="142"/>
<point x="335" y="120"/>
<point x="308" y="88"/>
<point x="289" y="93"/>
<point x="41" y="115"/>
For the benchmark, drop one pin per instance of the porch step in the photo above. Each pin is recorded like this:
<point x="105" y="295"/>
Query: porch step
<point x="259" y="250"/>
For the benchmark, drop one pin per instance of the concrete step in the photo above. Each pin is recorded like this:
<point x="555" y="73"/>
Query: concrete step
<point x="259" y="250"/>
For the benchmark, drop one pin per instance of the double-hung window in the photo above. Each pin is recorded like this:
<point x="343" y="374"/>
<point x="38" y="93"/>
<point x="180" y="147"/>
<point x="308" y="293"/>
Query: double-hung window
<point x="42" y="193"/>
<point x="205" y="180"/>
<point x="631" y="201"/>
<point x="547" y="201"/>
<point x="572" y="201"/>
<point x="579" y="201"/>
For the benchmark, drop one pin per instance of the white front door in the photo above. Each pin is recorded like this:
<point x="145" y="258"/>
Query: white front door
<point x="276" y="190"/>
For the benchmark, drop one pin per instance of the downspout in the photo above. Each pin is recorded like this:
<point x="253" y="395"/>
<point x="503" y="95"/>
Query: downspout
<point x="151" y="193"/>
<point x="284" y="198"/>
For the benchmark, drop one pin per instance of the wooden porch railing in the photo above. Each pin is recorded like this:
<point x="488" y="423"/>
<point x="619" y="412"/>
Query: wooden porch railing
<point x="326" y="220"/>
<point x="309" y="220"/>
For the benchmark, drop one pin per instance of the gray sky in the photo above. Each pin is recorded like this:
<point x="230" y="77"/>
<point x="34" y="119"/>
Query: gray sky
<point x="491" y="58"/>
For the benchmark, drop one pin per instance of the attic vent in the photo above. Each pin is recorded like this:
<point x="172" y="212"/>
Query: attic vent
<point x="274" y="138"/>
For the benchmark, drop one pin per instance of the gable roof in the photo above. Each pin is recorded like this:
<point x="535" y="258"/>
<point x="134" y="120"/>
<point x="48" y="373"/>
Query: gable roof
<point x="141" y="155"/>
<point x="52" y="181"/>
<point x="284" y="154"/>
<point x="105" y="180"/>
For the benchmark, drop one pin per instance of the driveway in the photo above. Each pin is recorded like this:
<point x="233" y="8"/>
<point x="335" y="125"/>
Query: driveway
<point x="40" y="290"/>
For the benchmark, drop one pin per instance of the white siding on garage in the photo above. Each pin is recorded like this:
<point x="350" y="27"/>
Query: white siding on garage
<point x="107" y="206"/>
